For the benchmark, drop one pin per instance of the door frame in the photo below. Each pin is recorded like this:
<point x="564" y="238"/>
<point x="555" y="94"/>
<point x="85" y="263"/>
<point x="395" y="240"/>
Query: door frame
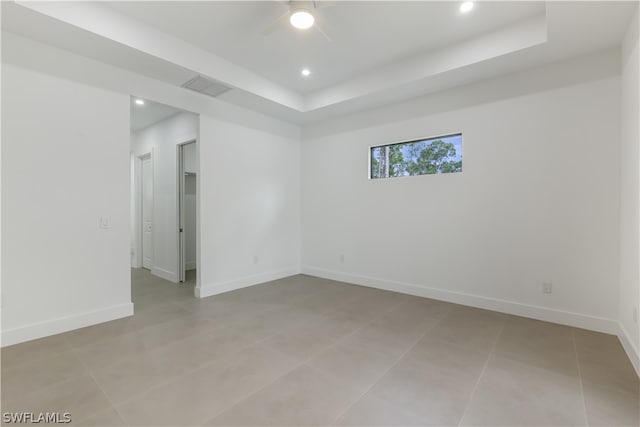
<point x="180" y="226"/>
<point x="138" y="226"/>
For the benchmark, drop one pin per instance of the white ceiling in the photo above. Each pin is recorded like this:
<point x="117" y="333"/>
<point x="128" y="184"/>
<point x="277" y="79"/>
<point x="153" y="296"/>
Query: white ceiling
<point x="365" y="35"/>
<point x="381" y="52"/>
<point x="143" y="116"/>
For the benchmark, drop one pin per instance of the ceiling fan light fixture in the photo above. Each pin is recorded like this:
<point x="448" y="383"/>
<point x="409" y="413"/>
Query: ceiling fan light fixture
<point x="466" y="6"/>
<point x="301" y="19"/>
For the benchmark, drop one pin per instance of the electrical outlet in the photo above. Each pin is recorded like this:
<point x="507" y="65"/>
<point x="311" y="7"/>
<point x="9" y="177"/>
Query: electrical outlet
<point x="255" y="259"/>
<point x="341" y="257"/>
<point x="547" y="288"/>
<point x="635" y="314"/>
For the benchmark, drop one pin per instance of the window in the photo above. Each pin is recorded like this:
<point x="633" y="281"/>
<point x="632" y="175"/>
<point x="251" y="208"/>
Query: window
<point x="421" y="157"/>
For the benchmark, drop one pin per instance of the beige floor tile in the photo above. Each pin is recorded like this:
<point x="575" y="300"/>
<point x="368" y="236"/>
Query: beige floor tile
<point x="156" y="314"/>
<point x="434" y="381"/>
<point x="32" y="376"/>
<point x="302" y="397"/>
<point x="389" y="335"/>
<point x="360" y="362"/>
<point x="130" y="377"/>
<point x="258" y="329"/>
<point x="403" y="318"/>
<point x="320" y="303"/>
<point x="177" y="329"/>
<point x="375" y="412"/>
<point x="367" y="308"/>
<point x="42" y="348"/>
<point x="226" y="314"/>
<point x="106" y="418"/>
<point x="421" y="309"/>
<point x="285" y="318"/>
<point x="303" y="342"/>
<point x="541" y="344"/>
<point x="199" y="305"/>
<point x="611" y="407"/>
<point x="477" y="330"/>
<point x="369" y="357"/>
<point x="133" y="376"/>
<point x="603" y="361"/>
<point x="104" y="353"/>
<point x="608" y="373"/>
<point x="152" y="299"/>
<point x="345" y="322"/>
<point x="201" y="349"/>
<point x="79" y="396"/>
<point x="100" y="332"/>
<point x="510" y="393"/>
<point x="435" y="353"/>
<point x="206" y="392"/>
<point x="596" y="344"/>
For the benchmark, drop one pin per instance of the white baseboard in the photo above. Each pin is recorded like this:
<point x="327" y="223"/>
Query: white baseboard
<point x="578" y="320"/>
<point x="165" y="274"/>
<point x="65" y="324"/>
<point x="629" y="348"/>
<point x="190" y="265"/>
<point x="243" y="282"/>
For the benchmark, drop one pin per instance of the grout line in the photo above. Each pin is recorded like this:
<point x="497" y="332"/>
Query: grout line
<point x="411" y="347"/>
<point x="482" y="372"/>
<point x="239" y="349"/>
<point x="188" y="371"/>
<point x="303" y="362"/>
<point x="106" y="396"/>
<point x="584" y="400"/>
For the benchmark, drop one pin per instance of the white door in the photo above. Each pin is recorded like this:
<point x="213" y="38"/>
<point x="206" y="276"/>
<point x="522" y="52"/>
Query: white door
<point x="147" y="212"/>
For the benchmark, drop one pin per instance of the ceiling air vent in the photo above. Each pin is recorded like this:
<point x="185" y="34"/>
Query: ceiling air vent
<point x="204" y="85"/>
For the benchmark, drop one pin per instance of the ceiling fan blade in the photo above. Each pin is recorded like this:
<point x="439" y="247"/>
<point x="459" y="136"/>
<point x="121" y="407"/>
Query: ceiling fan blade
<point x="277" y="24"/>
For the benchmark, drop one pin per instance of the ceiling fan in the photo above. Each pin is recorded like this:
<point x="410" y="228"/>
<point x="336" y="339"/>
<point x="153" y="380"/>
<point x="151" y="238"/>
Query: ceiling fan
<point x="302" y="15"/>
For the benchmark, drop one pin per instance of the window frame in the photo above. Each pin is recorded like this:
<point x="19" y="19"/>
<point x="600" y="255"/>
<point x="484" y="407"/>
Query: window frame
<point x="409" y="141"/>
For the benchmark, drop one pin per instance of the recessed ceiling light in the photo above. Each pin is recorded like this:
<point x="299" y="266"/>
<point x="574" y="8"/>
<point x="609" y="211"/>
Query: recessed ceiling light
<point x="466" y="6"/>
<point x="305" y="72"/>
<point x="139" y="102"/>
<point x="301" y="19"/>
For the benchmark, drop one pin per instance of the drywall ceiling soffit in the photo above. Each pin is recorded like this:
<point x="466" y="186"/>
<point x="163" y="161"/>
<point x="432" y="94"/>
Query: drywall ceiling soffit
<point x="143" y="116"/>
<point x="415" y="49"/>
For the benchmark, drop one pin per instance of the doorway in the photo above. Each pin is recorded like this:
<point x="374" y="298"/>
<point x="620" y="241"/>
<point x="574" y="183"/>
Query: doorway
<point x="160" y="203"/>
<point x="146" y="172"/>
<point x="187" y="160"/>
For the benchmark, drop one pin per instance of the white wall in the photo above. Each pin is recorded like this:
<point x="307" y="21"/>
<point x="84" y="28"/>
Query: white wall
<point x="65" y="158"/>
<point x="161" y="139"/>
<point x="630" y="192"/>
<point x="250" y="204"/>
<point x="253" y="162"/>
<point x="537" y="202"/>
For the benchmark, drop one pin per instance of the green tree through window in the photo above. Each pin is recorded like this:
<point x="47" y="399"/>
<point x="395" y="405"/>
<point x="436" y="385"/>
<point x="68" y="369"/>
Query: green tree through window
<point x="421" y="157"/>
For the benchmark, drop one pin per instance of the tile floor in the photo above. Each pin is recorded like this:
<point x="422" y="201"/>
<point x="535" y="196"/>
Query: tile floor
<point x="308" y="351"/>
